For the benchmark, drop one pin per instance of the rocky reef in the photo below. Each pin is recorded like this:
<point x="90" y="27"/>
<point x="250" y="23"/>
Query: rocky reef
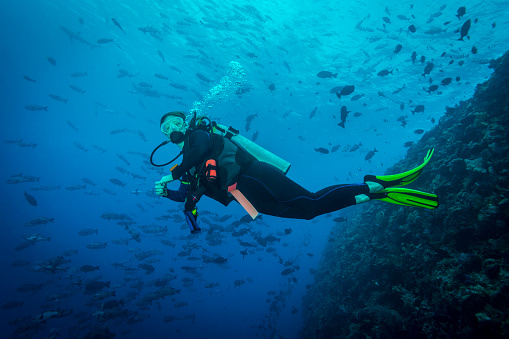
<point x="401" y="272"/>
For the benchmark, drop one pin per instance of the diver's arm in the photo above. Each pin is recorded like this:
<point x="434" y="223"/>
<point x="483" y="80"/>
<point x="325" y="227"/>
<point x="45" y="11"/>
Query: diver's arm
<point x="180" y="194"/>
<point x="199" y="145"/>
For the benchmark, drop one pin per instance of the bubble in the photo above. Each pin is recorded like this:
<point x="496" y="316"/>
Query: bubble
<point x="228" y="85"/>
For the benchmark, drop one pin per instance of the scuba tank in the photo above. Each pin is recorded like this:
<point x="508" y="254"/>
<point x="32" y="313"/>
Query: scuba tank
<point x="256" y="150"/>
<point x="260" y="153"/>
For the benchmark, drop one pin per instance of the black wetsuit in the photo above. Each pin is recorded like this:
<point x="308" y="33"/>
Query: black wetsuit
<point x="269" y="190"/>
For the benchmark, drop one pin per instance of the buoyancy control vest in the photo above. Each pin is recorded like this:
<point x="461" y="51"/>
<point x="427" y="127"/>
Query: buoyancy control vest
<point x="229" y="160"/>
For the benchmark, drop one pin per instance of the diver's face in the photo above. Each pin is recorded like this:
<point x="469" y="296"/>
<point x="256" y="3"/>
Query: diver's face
<point x="173" y="124"/>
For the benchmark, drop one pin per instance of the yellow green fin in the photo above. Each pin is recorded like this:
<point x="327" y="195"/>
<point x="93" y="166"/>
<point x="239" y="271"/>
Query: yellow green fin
<point x="407" y="197"/>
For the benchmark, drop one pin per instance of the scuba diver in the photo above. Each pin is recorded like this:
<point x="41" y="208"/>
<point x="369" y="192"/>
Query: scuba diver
<point x="221" y="164"/>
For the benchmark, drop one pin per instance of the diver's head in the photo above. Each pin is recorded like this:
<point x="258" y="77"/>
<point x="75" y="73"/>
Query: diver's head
<point x="174" y="126"/>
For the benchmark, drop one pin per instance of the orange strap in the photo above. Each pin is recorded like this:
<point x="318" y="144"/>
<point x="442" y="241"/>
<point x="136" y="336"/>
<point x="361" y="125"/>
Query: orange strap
<point x="241" y="199"/>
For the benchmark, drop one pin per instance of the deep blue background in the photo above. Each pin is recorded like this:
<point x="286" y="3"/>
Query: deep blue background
<point x="292" y="43"/>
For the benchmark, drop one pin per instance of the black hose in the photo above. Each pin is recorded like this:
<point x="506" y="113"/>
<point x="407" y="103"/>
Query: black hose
<point x="155" y="149"/>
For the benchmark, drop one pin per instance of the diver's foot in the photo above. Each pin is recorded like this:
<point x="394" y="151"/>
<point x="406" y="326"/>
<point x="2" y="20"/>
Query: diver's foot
<point x="374" y="186"/>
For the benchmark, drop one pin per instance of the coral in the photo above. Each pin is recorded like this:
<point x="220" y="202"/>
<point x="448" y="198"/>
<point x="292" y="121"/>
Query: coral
<point x="398" y="272"/>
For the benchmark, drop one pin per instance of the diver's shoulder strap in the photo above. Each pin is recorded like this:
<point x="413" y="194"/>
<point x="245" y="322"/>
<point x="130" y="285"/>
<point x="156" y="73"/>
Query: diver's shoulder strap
<point x="227" y="132"/>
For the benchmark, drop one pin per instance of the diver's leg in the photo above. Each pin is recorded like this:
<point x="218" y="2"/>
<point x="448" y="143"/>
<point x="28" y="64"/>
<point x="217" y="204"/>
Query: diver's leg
<point x="273" y="193"/>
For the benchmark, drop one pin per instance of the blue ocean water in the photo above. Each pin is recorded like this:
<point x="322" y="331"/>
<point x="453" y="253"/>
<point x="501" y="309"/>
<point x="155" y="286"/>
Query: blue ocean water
<point x="106" y="124"/>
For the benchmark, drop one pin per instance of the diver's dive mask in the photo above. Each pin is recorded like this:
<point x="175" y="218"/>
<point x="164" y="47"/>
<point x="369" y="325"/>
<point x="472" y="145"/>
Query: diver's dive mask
<point x="172" y="124"/>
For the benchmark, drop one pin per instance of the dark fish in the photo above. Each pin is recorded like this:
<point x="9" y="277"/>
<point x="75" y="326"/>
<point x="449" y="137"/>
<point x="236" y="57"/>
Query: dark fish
<point x="464" y="29"/>
<point x="423" y="58"/>
<point x="176" y="69"/>
<point x="461" y="12"/>
<point x="117" y="182"/>
<point x="344" y="114"/>
<point x="287" y="271"/>
<point x="386" y="20"/>
<point x="29" y="79"/>
<point x="52" y="61"/>
<point x="78" y="74"/>
<point x="160" y="76"/>
<point x="178" y="86"/>
<point x="249" y="119"/>
<point x="347" y="90"/>
<point x="76" y="37"/>
<point x="12" y="304"/>
<point x="57" y="98"/>
<point x="117" y="24"/>
<point x="370" y="154"/>
<point x="272" y="87"/>
<point x="313" y="113"/>
<point x="428" y="68"/>
<point x="432" y="88"/>
<point x="115" y="304"/>
<point x="446" y="81"/>
<point x="398" y="48"/>
<point x="357" y="97"/>
<point x="327" y="74"/>
<point x="203" y="78"/>
<point x="474" y="50"/>
<point x="31" y="200"/>
<point x="419" y="131"/>
<point x="255" y="136"/>
<point x="244" y="253"/>
<point x="418" y="109"/>
<point x="77" y="89"/>
<point x="142" y="135"/>
<point x="355" y="147"/>
<point x="72" y="126"/>
<point x="36" y="108"/>
<point x="322" y="150"/>
<point x="88" y="268"/>
<point x="287" y="66"/>
<point x="161" y="55"/>
<point x="411" y="28"/>
<point x="340" y="219"/>
<point x="384" y="73"/>
<point x="88" y="181"/>
<point x="408" y="144"/>
<point x="104" y="41"/>
<point x="414" y="56"/>
<point x="399" y="89"/>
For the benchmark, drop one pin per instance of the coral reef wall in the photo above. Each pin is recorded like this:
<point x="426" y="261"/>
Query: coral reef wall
<point x="396" y="272"/>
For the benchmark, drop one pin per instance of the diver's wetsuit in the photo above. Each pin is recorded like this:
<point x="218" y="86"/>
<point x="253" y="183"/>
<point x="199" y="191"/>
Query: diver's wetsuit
<point x="273" y="193"/>
<point x="268" y="189"/>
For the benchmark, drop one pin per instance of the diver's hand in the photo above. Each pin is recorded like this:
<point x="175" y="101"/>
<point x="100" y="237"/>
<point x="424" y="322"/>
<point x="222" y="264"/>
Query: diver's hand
<point x="161" y="189"/>
<point x="160" y="186"/>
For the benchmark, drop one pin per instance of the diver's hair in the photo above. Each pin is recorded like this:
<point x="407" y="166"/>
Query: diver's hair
<point x="179" y="114"/>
